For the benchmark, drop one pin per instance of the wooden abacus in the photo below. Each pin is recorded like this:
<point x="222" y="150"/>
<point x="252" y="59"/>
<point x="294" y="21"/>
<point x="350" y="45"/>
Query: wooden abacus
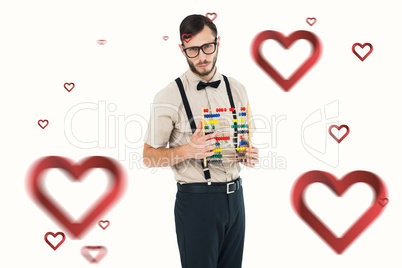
<point x="242" y="133"/>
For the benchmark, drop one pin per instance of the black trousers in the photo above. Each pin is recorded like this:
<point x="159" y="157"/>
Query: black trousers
<point x="210" y="229"/>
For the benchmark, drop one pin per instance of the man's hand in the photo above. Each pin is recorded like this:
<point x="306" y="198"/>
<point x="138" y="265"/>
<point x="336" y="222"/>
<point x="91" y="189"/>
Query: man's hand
<point x="251" y="156"/>
<point x="201" y="146"/>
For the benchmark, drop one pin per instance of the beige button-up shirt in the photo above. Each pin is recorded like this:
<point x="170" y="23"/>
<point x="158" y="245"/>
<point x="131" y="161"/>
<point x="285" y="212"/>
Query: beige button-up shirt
<point x="169" y="125"/>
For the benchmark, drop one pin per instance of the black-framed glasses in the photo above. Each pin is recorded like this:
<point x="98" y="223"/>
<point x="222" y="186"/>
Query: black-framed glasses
<point x="208" y="49"/>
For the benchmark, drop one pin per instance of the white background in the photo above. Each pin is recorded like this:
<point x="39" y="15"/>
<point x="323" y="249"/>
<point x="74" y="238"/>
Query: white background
<point x="45" y="44"/>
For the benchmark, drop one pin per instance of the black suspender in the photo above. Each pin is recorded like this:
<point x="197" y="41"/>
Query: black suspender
<point x="232" y="106"/>
<point x="191" y="118"/>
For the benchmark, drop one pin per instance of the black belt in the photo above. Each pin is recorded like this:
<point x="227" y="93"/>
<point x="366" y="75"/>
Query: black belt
<point x="215" y="187"/>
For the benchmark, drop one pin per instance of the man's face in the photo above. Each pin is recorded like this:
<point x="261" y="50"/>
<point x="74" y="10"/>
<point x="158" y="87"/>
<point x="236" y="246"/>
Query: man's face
<point x="203" y="65"/>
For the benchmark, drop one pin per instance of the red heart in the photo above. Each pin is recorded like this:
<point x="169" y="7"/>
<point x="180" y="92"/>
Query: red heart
<point x="36" y="189"/>
<point x="339" y="128"/>
<point x="165" y="38"/>
<point x="55" y="235"/>
<point x="187" y="36"/>
<point x="383" y="201"/>
<point x="362" y="46"/>
<point x="101" y="42"/>
<point x="104" y="224"/>
<point x="211" y="14"/>
<point x="314" y="20"/>
<point x="339" y="187"/>
<point x="286" y="42"/>
<point x="43" y="123"/>
<point x="101" y="253"/>
<point x="68" y="84"/>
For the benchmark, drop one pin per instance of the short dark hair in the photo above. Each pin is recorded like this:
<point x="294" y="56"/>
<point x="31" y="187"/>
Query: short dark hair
<point x="193" y="24"/>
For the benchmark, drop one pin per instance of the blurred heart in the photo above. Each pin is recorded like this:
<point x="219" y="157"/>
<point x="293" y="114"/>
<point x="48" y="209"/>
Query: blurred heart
<point x="104" y="224"/>
<point x="311" y="21"/>
<point x="76" y="172"/>
<point x="383" y="201"/>
<point x="98" y="253"/>
<point x="286" y="42"/>
<point x="211" y="16"/>
<point x="339" y="187"/>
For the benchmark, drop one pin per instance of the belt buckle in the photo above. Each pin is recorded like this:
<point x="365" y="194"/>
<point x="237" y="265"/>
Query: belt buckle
<point x="227" y="188"/>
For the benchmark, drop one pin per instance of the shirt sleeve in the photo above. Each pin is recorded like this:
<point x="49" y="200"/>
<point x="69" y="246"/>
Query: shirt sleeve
<point x="163" y="117"/>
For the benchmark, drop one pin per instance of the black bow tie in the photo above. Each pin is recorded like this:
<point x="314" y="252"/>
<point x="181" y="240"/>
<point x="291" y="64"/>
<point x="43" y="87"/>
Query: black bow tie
<point x="202" y="85"/>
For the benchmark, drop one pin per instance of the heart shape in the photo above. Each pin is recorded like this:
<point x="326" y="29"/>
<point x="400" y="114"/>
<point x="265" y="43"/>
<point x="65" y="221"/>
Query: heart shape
<point x="43" y="123"/>
<point x="165" y="37"/>
<point x="362" y="46"/>
<point x="214" y="15"/>
<point x="55" y="235"/>
<point x="36" y="189"/>
<point x="187" y="37"/>
<point x="311" y="21"/>
<point x="67" y="86"/>
<point x="286" y="42"/>
<point x="104" y="224"/>
<point x="101" y="42"/>
<point x="383" y="201"/>
<point x="338" y="187"/>
<point x="101" y="253"/>
<point x="338" y="128"/>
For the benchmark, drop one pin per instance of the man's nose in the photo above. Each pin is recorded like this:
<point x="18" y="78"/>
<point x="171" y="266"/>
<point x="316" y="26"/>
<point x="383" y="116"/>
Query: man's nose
<point x="202" y="56"/>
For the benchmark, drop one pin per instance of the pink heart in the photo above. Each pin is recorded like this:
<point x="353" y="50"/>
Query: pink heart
<point x="101" y="42"/>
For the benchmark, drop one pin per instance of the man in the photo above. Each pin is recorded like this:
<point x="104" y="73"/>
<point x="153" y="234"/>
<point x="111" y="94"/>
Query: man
<point x="209" y="208"/>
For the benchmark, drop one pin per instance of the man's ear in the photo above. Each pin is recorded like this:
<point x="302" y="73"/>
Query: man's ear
<point x="182" y="51"/>
<point x="219" y="38"/>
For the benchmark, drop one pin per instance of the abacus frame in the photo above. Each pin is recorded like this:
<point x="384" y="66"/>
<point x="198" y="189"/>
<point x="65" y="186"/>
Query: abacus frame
<point x="249" y="133"/>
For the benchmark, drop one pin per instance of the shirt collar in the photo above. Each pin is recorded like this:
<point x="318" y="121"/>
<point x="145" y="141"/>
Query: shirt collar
<point x="194" y="79"/>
